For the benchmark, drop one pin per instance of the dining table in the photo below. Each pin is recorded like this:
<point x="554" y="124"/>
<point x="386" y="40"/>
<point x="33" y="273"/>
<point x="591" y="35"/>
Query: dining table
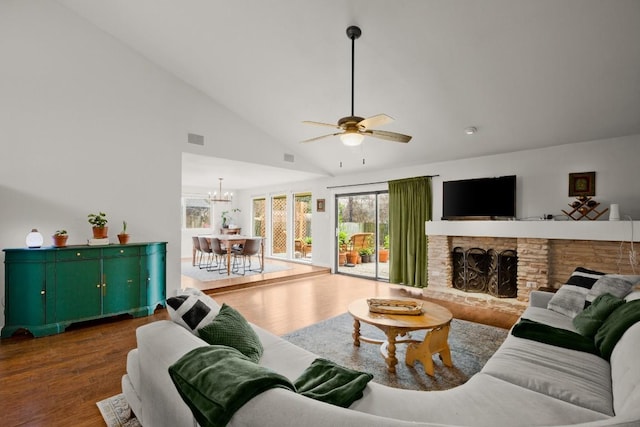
<point x="229" y="240"/>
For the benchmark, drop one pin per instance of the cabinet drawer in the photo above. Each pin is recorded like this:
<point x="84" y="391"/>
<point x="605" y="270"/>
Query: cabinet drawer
<point x="25" y="256"/>
<point x="121" y="251"/>
<point x="77" y="254"/>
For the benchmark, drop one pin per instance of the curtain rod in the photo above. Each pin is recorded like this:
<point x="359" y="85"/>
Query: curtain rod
<point x="377" y="182"/>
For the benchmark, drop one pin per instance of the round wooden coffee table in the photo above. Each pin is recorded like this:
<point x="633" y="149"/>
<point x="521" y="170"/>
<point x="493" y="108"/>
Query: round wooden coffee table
<point x="435" y="318"/>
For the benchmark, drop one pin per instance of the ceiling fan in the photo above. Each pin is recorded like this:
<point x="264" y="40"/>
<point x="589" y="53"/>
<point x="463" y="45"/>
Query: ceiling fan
<point x="354" y="128"/>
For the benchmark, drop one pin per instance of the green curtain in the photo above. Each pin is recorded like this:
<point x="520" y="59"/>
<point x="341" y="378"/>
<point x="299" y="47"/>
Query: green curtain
<point x="409" y="208"/>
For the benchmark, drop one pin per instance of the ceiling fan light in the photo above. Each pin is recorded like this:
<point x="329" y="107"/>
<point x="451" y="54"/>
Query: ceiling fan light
<point x="351" y="139"/>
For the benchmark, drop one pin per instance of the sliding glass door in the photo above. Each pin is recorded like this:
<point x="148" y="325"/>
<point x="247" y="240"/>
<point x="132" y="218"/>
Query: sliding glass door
<point x="363" y="224"/>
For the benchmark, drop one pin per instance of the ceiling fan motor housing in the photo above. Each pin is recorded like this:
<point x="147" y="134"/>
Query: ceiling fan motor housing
<point x="350" y="123"/>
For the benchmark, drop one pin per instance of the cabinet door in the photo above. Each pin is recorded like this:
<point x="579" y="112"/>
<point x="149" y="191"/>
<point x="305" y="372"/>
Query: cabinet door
<point x="153" y="275"/>
<point x="78" y="289"/>
<point x="25" y="293"/>
<point x="122" y="284"/>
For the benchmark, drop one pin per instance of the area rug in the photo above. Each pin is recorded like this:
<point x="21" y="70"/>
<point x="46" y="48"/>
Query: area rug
<point x="471" y="345"/>
<point x="116" y="412"/>
<point x="207" y="276"/>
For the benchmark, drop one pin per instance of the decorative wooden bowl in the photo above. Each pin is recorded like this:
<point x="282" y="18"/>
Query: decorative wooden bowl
<point x="394" y="306"/>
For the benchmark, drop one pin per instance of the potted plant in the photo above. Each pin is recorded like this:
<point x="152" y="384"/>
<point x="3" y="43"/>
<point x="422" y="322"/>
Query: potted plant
<point x="343" y="238"/>
<point x="352" y="258"/>
<point x="60" y="238"/>
<point x="364" y="255"/>
<point x="123" y="237"/>
<point x="99" y="223"/>
<point x="383" y="252"/>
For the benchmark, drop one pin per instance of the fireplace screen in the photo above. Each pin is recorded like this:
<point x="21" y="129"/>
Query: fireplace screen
<point x="478" y="270"/>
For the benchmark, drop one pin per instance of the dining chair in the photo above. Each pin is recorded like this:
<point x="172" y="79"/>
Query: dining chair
<point x="206" y="250"/>
<point x="251" y="247"/>
<point x="219" y="253"/>
<point x="197" y="260"/>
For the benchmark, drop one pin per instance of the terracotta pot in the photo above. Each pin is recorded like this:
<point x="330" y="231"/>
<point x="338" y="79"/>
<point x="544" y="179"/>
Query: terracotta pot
<point x="60" y="241"/>
<point x="342" y="258"/>
<point x="123" y="238"/>
<point x="100" y="232"/>
<point x="383" y="255"/>
<point x="352" y="258"/>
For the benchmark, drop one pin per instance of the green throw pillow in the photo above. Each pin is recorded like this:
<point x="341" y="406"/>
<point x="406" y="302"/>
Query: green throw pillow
<point x="615" y="326"/>
<point x="588" y="321"/>
<point x="231" y="329"/>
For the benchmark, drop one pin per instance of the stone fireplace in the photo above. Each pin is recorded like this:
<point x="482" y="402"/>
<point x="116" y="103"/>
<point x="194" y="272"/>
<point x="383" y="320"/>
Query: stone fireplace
<point x="542" y="260"/>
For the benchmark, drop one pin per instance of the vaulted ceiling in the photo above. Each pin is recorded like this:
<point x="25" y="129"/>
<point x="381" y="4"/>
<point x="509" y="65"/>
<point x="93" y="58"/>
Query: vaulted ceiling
<point x="526" y="73"/>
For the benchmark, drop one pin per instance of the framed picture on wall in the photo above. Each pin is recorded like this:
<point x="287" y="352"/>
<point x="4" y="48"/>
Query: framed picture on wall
<point x="582" y="184"/>
<point x="320" y="205"/>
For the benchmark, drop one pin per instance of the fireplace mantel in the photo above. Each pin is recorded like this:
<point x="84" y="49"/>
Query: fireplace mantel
<point x="571" y="230"/>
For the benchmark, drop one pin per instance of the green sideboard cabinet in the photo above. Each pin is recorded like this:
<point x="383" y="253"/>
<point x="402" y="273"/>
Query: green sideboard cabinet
<point x="47" y="289"/>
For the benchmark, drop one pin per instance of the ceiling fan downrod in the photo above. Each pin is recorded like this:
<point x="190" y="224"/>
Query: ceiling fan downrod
<point x="353" y="33"/>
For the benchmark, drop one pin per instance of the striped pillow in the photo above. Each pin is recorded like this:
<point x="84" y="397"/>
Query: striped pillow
<point x="571" y="298"/>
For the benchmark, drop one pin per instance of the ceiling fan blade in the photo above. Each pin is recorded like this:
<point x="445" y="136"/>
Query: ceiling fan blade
<point x="308" y="122"/>
<point x="320" y="137"/>
<point x="390" y="136"/>
<point x="375" y="121"/>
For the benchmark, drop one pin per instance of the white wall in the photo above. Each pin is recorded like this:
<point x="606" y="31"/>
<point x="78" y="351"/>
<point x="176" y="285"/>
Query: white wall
<point x="87" y="124"/>
<point x="542" y="183"/>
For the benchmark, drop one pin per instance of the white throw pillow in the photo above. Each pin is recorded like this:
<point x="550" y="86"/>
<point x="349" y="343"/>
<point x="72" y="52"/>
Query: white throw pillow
<point x="615" y="284"/>
<point x="632" y="296"/>
<point x="568" y="300"/>
<point x="192" y="311"/>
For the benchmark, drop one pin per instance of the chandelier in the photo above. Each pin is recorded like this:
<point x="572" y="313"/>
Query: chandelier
<point x="220" y="196"/>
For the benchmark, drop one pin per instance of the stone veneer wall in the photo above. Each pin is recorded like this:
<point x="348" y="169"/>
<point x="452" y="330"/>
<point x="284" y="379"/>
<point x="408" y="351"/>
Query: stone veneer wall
<point x="545" y="262"/>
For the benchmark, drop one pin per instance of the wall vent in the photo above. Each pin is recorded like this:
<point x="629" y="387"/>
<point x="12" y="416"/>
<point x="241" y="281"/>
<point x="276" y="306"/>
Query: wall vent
<point x="289" y="158"/>
<point x="195" y="139"/>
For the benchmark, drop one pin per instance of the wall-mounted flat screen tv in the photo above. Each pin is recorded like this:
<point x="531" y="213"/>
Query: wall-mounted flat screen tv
<point x="481" y="198"/>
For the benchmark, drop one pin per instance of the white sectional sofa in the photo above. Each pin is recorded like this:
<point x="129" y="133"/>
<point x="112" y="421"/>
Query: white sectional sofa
<point x="526" y="383"/>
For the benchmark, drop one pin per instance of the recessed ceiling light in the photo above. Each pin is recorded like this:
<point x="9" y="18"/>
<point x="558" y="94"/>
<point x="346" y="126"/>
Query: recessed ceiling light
<point x="471" y="130"/>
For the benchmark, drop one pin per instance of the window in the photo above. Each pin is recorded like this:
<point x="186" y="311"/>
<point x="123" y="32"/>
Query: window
<point x="196" y="212"/>
<point x="279" y="226"/>
<point x="302" y="226"/>
<point x="259" y="211"/>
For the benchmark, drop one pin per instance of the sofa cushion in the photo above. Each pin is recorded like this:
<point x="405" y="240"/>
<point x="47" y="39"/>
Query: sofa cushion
<point x="576" y="377"/>
<point x="588" y="321"/>
<point x="571" y="297"/>
<point x="615" y="326"/>
<point x="614" y="284"/>
<point x="549" y="317"/>
<point x="625" y="375"/>
<point x="231" y="329"/>
<point x="192" y="311"/>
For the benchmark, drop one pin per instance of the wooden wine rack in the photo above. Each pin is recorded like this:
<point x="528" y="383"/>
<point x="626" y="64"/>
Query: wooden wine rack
<point x="584" y="207"/>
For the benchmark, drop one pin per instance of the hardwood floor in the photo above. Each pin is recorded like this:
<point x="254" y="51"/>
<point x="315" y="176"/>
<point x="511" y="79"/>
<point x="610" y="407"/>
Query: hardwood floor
<point x="56" y="380"/>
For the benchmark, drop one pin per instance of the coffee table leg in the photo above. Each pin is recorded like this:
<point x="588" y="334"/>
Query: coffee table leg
<point x="435" y="341"/>
<point x="356" y="332"/>
<point x="391" y="359"/>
